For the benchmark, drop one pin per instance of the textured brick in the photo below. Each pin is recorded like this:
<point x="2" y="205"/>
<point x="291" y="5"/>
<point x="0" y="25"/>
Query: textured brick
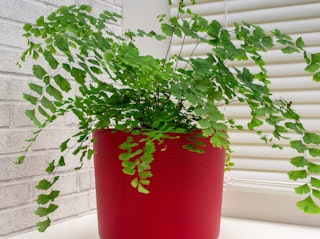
<point x="17" y="219"/>
<point x="14" y="195"/>
<point x="5" y="116"/>
<point x="8" y="62"/>
<point x="11" y="89"/>
<point x="23" y="10"/>
<point x="71" y="205"/>
<point x="85" y="181"/>
<point x="70" y="119"/>
<point x="59" y="2"/>
<point x="34" y="165"/>
<point x="13" y="141"/>
<point x="93" y="198"/>
<point x="52" y="138"/>
<point x="93" y="181"/>
<point x="19" y="117"/>
<point x="67" y="184"/>
<point x="108" y="1"/>
<point x="11" y="34"/>
<point x="118" y="2"/>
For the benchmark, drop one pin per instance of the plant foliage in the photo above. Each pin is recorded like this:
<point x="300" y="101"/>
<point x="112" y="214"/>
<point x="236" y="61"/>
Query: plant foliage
<point x="118" y="87"/>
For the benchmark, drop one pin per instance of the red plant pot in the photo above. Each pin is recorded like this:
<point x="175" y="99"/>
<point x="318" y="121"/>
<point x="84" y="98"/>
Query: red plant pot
<point x="185" y="192"/>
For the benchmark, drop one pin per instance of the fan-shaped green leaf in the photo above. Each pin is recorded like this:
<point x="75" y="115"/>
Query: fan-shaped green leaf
<point x="38" y="71"/>
<point x="308" y="206"/>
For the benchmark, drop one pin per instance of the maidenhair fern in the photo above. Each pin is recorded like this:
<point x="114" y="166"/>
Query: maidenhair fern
<point x="118" y="87"/>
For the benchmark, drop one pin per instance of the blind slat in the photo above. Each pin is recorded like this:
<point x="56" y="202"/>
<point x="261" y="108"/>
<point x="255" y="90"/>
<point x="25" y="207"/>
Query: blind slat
<point x="258" y="164"/>
<point x="310" y="124"/>
<point x="301" y="83"/>
<point x="275" y="165"/>
<point x="305" y="110"/>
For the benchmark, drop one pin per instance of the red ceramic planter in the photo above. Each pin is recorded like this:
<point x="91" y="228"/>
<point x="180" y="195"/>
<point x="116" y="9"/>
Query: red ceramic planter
<point x="185" y="192"/>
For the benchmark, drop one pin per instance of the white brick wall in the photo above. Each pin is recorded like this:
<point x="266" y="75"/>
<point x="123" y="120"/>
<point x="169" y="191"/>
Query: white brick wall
<point x="17" y="182"/>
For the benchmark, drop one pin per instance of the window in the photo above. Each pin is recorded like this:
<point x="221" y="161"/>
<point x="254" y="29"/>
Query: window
<point x="258" y="186"/>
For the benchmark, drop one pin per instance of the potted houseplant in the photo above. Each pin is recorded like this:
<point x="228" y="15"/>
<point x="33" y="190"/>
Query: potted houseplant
<point x="142" y="104"/>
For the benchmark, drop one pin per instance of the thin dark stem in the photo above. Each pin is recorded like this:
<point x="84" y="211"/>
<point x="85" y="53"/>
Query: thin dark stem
<point x="191" y="54"/>
<point x="193" y="51"/>
<point x="180" y="52"/>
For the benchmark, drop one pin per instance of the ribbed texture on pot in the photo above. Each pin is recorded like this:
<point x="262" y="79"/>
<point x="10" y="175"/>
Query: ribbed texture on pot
<point x="185" y="192"/>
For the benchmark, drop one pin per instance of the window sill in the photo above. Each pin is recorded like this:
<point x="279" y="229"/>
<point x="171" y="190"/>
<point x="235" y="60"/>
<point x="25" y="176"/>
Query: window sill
<point x="86" y="227"/>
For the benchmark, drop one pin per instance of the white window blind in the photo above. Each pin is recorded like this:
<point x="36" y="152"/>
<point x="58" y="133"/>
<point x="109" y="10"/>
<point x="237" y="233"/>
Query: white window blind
<point x="258" y="166"/>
